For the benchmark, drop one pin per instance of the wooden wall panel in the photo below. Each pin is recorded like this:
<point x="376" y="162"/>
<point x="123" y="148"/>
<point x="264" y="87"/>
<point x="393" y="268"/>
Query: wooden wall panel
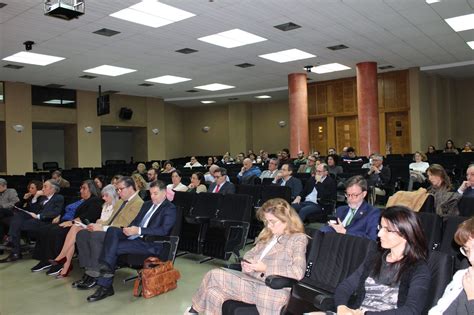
<point x="338" y="97"/>
<point x="321" y="100"/>
<point x="311" y="100"/>
<point x="318" y="134"/>
<point x="350" y="96"/>
<point x="347" y="133"/>
<point x="398" y="131"/>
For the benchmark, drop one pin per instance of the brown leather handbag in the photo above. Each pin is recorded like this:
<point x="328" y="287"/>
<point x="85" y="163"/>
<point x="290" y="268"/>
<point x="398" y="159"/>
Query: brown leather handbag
<point x="155" y="278"/>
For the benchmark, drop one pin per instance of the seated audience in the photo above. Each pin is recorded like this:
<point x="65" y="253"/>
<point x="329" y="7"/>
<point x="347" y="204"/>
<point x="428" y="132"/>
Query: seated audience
<point x="168" y="167"/>
<point x="310" y="164"/>
<point x="450" y="147"/>
<point x="141" y="170"/>
<point x="34" y="192"/>
<point x="8" y="199"/>
<point x="458" y="297"/>
<point x="220" y="184"/>
<point x="210" y="161"/>
<point x="285" y="178"/>
<point x="57" y="176"/>
<point x="344" y="153"/>
<point x="175" y="185"/>
<point x="272" y="169"/>
<point x="333" y="167"/>
<point x="193" y="163"/>
<point x="358" y="218"/>
<point x="319" y="186"/>
<point x="431" y="150"/>
<point x="378" y="177"/>
<point x="300" y="158"/>
<point x="117" y="178"/>
<point x="90" y="241"/>
<point x="99" y="181"/>
<point x="197" y="185"/>
<point x="467" y="147"/>
<point x="332" y="151"/>
<point x="418" y="169"/>
<point x="351" y="156"/>
<point x="285" y="156"/>
<point x="264" y="157"/>
<point x="253" y="158"/>
<point x="156" y="166"/>
<point x="467" y="187"/>
<point x="50" y="238"/>
<point x="152" y="176"/>
<point x="396" y="278"/>
<point x="316" y="154"/>
<point x="156" y="217"/>
<point x="239" y="159"/>
<point x="141" y="185"/>
<point x="445" y="201"/>
<point x="279" y="250"/>
<point x="43" y="211"/>
<point x="248" y="171"/>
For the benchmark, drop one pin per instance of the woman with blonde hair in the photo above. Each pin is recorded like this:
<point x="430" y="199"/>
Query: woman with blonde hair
<point x="279" y="250"/>
<point x="140" y="184"/>
<point x="418" y="169"/>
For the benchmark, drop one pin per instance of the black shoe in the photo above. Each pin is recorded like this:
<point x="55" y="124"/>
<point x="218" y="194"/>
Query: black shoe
<point x="87" y="284"/>
<point x="84" y="278"/>
<point x="1" y="251"/>
<point x="11" y="258"/>
<point x="100" y="294"/>
<point x="42" y="265"/>
<point x="55" y="270"/>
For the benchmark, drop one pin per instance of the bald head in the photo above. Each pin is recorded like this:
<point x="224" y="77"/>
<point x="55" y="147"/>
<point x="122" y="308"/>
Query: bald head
<point x="247" y="163"/>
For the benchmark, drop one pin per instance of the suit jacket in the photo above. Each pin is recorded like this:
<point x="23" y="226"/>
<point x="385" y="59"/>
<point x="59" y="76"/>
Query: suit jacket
<point x="469" y="192"/>
<point x="327" y="190"/>
<point x="295" y="185"/>
<point x="127" y="214"/>
<point x="380" y="180"/>
<point x="51" y="209"/>
<point x="161" y="222"/>
<point x="227" y="188"/>
<point x="364" y="223"/>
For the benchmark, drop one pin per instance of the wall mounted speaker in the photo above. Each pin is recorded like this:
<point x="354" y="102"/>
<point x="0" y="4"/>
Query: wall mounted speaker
<point x="125" y="113"/>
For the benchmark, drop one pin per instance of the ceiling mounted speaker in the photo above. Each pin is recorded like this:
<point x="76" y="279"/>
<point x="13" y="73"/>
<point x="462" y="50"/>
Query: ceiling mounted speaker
<point x="125" y="113"/>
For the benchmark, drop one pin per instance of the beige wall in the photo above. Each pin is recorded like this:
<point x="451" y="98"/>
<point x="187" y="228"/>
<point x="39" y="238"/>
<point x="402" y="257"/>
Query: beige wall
<point x="48" y="114"/>
<point x="464" y="111"/>
<point x="88" y="144"/>
<point x="2" y="112"/>
<point x="267" y="134"/>
<point x="3" y="148"/>
<point x="173" y="131"/>
<point x="135" y="103"/>
<point x="240" y="128"/>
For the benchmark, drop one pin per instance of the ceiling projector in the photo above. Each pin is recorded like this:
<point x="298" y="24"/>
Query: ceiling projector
<point x="64" y="9"/>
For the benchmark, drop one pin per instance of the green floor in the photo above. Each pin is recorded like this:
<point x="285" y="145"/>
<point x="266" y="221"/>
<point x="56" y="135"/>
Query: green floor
<point x="24" y="292"/>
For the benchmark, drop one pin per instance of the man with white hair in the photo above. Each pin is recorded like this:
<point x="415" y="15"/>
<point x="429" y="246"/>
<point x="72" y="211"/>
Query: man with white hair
<point x="8" y="198"/>
<point x="467" y="187"/>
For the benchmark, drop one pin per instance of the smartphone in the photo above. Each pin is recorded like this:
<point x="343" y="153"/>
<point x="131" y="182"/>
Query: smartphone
<point x="244" y="260"/>
<point x="332" y="219"/>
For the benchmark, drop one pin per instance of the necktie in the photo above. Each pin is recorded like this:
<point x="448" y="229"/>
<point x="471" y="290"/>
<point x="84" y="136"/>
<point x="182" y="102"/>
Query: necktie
<point x="118" y="211"/>
<point x="144" y="221"/>
<point x="351" y="216"/>
<point x="218" y="187"/>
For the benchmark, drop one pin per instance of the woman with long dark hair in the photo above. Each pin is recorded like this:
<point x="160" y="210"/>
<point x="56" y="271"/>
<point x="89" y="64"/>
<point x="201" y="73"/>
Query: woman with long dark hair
<point x="445" y="200"/>
<point x="397" y="277"/>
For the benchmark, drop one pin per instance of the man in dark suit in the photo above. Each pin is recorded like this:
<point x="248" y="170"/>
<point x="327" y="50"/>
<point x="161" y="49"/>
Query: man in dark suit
<point x="44" y="210"/>
<point x="358" y="218"/>
<point x="467" y="187"/>
<point x="320" y="186"/>
<point x="220" y="185"/>
<point x="156" y="217"/>
<point x="285" y="178"/>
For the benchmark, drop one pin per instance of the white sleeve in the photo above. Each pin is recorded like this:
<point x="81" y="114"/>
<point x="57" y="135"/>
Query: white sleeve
<point x="450" y="294"/>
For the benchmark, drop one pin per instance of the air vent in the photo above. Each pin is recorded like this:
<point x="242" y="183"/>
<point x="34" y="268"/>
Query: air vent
<point x="337" y="47"/>
<point x="386" y="67"/>
<point x="54" y="85"/>
<point x="186" y="51"/>
<point x="111" y="92"/>
<point x="2" y="5"/>
<point x="15" y="67"/>
<point x="86" y="76"/>
<point x="287" y="26"/>
<point x="192" y="91"/>
<point x="106" y="32"/>
<point x="245" y="65"/>
<point x="145" y="84"/>
<point x="232" y="98"/>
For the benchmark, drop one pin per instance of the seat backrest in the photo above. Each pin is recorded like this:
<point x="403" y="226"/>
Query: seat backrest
<point x="333" y="257"/>
<point x="206" y="205"/>
<point x="448" y="245"/>
<point x="235" y="207"/>
<point x="428" y="205"/>
<point x="184" y="200"/>
<point x="466" y="206"/>
<point x="50" y="166"/>
<point x="432" y="226"/>
<point x="441" y="266"/>
<point x="275" y="191"/>
<point x="251" y="190"/>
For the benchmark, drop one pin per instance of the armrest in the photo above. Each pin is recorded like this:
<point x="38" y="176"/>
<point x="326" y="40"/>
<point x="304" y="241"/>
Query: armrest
<point x="279" y="282"/>
<point x="156" y="238"/>
<point x="198" y="220"/>
<point x="227" y="223"/>
<point x="324" y="302"/>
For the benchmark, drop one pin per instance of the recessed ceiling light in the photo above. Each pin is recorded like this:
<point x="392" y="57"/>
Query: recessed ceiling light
<point x="152" y="13"/>
<point x="263" y="96"/>
<point x="432" y="1"/>
<point x="168" y="79"/>
<point x="471" y="44"/>
<point x="330" y="67"/>
<point x="232" y="38"/>
<point x="287" y="55"/>
<point x="461" y="23"/>
<point x="208" y="102"/>
<point x="214" y="87"/>
<point x="33" y="58"/>
<point x="57" y="101"/>
<point x="111" y="71"/>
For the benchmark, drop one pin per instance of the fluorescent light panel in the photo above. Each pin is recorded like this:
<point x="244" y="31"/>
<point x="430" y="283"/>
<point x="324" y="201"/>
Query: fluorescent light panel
<point x="208" y="102"/>
<point x="214" y="87"/>
<point x="152" y="13"/>
<point x="33" y="58"/>
<point x="111" y="71"/>
<point x="287" y="55"/>
<point x="232" y="38"/>
<point x="432" y="1"/>
<point x="263" y="96"/>
<point x="471" y="44"/>
<point x="461" y="23"/>
<point x="330" y="67"/>
<point x="168" y="79"/>
<point x="56" y="101"/>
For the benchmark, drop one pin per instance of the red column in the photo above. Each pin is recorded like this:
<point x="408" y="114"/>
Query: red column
<point x="298" y="101"/>
<point x="367" y="108"/>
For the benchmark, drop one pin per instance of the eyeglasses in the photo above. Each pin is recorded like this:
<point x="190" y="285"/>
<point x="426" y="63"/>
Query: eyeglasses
<point x="353" y="195"/>
<point x="272" y="222"/>
<point x="379" y="227"/>
<point x="465" y="251"/>
<point x="121" y="188"/>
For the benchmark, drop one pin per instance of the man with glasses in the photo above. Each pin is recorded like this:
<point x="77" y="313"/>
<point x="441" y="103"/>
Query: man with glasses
<point x="272" y="169"/>
<point x="319" y="187"/>
<point x="90" y="241"/>
<point x="310" y="163"/>
<point x="220" y="185"/>
<point x="358" y="218"/>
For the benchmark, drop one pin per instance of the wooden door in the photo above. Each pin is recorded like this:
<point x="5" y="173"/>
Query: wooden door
<point x="347" y="133"/>
<point x="398" y="132"/>
<point x="318" y="135"/>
